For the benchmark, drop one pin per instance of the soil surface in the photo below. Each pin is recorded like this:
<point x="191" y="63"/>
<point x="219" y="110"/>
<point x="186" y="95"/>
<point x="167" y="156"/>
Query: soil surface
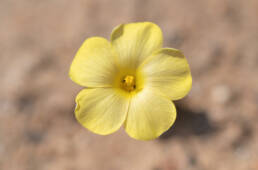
<point x="216" y="128"/>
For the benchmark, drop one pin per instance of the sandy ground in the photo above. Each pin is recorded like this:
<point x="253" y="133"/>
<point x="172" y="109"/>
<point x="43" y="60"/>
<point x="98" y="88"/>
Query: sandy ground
<point x="216" y="128"/>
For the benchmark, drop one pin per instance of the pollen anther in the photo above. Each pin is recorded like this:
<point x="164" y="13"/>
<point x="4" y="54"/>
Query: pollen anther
<point x="128" y="83"/>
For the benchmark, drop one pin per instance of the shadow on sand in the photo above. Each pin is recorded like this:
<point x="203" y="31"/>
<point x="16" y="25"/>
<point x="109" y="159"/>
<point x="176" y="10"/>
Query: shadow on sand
<point x="189" y="123"/>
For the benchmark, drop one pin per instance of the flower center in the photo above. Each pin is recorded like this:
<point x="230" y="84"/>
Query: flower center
<point x="128" y="83"/>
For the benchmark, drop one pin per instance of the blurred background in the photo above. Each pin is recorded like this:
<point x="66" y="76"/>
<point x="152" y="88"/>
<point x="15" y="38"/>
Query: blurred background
<point x="216" y="128"/>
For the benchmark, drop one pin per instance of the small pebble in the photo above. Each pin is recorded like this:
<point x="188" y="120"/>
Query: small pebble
<point x="221" y="94"/>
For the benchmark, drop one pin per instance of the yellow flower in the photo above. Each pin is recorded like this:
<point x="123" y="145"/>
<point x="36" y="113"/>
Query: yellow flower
<point x="130" y="81"/>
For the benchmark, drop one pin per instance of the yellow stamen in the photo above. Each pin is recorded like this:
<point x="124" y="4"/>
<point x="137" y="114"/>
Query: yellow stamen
<point x="128" y="83"/>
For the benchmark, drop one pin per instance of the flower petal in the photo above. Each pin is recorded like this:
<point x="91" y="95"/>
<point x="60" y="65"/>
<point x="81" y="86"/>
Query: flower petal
<point x="167" y="71"/>
<point x="93" y="65"/>
<point x="101" y="110"/>
<point x="135" y="41"/>
<point x="149" y="115"/>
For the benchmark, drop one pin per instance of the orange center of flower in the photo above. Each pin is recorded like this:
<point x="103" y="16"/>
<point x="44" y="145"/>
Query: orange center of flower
<point x="128" y="83"/>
